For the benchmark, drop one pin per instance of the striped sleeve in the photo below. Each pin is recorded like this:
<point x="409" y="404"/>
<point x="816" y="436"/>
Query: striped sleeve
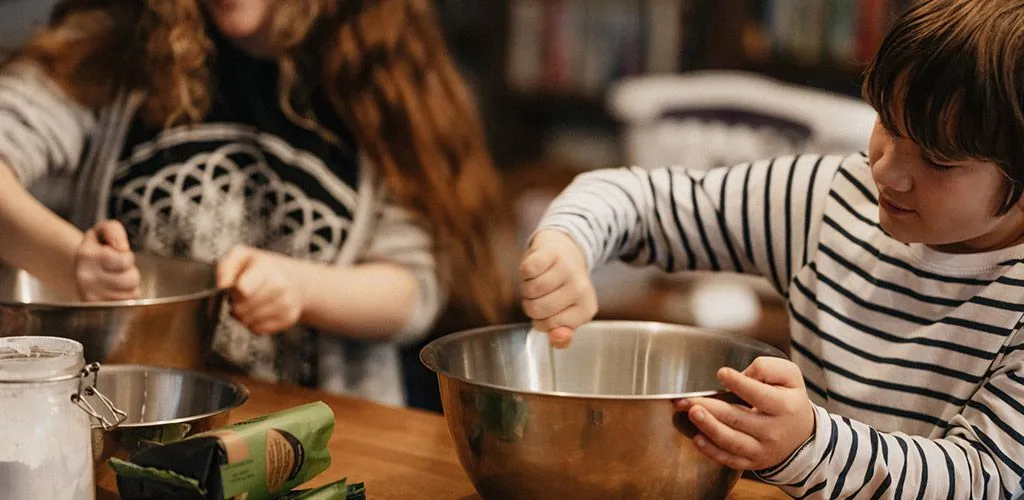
<point x="981" y="454"/>
<point x="42" y="130"/>
<point x="759" y="218"/>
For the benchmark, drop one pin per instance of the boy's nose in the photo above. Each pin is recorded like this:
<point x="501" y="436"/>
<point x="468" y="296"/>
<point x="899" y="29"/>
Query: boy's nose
<point x="889" y="174"/>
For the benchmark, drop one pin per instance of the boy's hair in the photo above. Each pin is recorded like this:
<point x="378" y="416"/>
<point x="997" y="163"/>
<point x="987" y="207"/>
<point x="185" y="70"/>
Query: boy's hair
<point x="949" y="76"/>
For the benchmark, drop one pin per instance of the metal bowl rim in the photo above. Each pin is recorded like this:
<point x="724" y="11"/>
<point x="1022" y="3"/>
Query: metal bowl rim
<point x="240" y="389"/>
<point x="437" y="344"/>
<point x="128" y="303"/>
<point x="114" y="304"/>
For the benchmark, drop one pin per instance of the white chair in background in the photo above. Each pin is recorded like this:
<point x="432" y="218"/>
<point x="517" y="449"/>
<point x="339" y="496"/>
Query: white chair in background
<point x="713" y="118"/>
<point x="702" y="120"/>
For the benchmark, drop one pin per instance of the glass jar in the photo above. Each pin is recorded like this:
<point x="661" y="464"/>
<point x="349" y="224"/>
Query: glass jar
<point x="44" y="421"/>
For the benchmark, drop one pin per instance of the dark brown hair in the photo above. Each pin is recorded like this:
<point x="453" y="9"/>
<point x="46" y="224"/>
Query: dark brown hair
<point x="949" y="76"/>
<point x="383" y="65"/>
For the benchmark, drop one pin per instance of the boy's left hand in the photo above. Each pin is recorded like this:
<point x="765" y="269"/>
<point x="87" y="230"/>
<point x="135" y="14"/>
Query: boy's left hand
<point x="782" y="417"/>
<point x="263" y="292"/>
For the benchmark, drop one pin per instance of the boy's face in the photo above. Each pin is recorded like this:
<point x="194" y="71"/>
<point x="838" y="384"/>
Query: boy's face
<point x="948" y="205"/>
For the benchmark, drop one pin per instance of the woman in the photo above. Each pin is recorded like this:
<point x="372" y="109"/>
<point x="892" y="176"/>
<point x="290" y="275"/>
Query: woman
<point x="324" y="152"/>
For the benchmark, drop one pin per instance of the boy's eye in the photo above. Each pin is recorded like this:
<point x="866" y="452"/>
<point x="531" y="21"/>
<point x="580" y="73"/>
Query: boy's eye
<point x="938" y="164"/>
<point x="941" y="166"/>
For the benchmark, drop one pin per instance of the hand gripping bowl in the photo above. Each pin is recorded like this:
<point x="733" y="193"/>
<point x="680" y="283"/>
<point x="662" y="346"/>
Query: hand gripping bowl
<point x="591" y="421"/>
<point x="170" y="325"/>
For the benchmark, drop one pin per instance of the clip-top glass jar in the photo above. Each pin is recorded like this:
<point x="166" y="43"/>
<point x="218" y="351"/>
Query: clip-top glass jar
<point x="44" y="420"/>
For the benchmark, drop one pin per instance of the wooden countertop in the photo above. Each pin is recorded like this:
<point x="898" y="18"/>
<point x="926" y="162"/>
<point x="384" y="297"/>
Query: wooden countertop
<point x="399" y="453"/>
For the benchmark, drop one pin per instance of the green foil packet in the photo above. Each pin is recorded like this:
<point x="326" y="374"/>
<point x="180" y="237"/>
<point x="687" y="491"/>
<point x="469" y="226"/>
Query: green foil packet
<point x="335" y="491"/>
<point x="257" y="459"/>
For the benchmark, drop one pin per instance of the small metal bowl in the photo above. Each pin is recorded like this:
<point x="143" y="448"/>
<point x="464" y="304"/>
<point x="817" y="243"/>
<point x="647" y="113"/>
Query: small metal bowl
<point x="163" y="405"/>
<point x="591" y="421"/>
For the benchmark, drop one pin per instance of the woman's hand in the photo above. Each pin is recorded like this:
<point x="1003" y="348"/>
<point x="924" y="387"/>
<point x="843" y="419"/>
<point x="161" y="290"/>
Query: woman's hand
<point x="263" y="293"/>
<point x="781" y="420"/>
<point x="105" y="265"/>
<point x="556" y="288"/>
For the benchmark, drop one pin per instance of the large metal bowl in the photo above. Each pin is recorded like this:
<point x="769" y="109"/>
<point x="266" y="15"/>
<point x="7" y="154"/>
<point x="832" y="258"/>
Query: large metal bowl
<point x="163" y="405"/>
<point x="591" y="421"/>
<point x="170" y="325"/>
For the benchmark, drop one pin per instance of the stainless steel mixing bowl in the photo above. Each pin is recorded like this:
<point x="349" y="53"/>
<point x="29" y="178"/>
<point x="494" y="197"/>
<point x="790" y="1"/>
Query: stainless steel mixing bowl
<point x="592" y="421"/>
<point x="170" y="325"/>
<point x="163" y="405"/>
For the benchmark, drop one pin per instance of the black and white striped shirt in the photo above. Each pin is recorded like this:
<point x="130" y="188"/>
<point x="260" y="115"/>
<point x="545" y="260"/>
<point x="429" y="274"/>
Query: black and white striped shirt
<point x="914" y="358"/>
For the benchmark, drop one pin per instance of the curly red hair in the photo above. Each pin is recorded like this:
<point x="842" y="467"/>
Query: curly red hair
<point x="385" y="69"/>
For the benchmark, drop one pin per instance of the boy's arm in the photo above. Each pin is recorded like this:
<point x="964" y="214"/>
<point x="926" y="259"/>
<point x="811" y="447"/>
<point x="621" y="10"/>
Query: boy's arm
<point x="756" y="218"/>
<point x="981" y="454"/>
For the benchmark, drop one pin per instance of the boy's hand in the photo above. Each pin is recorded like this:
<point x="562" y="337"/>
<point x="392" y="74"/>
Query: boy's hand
<point x="556" y="288"/>
<point x="263" y="297"/>
<point x="742" y="438"/>
<point x="105" y="265"/>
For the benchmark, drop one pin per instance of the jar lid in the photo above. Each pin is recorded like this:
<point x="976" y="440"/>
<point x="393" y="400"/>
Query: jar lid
<point x="28" y="359"/>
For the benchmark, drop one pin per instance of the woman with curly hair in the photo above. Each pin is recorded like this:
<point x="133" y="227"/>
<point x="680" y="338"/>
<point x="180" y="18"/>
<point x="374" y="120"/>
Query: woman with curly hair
<point x="325" y="153"/>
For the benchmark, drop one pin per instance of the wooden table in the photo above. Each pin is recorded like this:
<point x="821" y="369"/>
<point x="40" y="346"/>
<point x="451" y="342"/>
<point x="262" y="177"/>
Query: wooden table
<point x="399" y="453"/>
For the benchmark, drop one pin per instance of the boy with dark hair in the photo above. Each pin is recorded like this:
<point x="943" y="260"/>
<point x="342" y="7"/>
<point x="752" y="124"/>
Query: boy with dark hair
<point x="903" y="269"/>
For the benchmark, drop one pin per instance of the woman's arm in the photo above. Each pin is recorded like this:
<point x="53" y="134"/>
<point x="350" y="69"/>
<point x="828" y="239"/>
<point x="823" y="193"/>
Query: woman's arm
<point x="391" y="294"/>
<point x="42" y="133"/>
<point x="34" y="238"/>
<point x="271" y="292"/>
<point x="372" y="301"/>
<point x="95" y="265"/>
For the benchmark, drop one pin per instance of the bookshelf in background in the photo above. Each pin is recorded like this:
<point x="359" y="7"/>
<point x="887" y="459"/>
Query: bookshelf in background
<point x="543" y="65"/>
<point x="580" y="46"/>
<point x="576" y="47"/>
<point x="818" y="43"/>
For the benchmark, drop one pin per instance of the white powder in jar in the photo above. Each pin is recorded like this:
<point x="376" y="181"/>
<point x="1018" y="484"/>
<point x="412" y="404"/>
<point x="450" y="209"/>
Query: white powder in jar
<point x="47" y="450"/>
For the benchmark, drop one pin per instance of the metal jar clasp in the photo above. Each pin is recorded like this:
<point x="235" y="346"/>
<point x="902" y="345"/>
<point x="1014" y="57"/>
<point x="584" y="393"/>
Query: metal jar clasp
<point x="85" y="389"/>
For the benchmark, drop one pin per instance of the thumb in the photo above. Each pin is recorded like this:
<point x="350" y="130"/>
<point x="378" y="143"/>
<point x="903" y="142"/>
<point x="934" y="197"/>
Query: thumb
<point x="112" y="234"/>
<point x="231" y="266"/>
<point x="774" y="371"/>
<point x="560" y="336"/>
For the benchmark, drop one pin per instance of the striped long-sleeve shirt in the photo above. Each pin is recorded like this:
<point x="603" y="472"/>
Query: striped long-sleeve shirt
<point x="913" y="358"/>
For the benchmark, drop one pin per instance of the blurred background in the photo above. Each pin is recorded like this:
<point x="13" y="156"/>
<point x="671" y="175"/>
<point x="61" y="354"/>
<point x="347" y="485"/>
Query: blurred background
<point x="564" y="86"/>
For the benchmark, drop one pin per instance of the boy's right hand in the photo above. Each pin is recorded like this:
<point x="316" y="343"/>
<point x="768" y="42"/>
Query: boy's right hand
<point x="105" y="265"/>
<point x="556" y="288"/>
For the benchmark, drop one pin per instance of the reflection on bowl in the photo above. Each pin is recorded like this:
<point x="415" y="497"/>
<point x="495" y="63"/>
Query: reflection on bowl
<point x="163" y="405"/>
<point x="170" y="325"/>
<point x="591" y="421"/>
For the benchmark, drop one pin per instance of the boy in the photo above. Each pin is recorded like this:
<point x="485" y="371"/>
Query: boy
<point x="903" y="269"/>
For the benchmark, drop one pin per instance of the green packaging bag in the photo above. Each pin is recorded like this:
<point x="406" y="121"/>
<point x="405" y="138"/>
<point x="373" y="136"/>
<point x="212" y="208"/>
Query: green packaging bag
<point x="257" y="459"/>
<point x="335" y="491"/>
